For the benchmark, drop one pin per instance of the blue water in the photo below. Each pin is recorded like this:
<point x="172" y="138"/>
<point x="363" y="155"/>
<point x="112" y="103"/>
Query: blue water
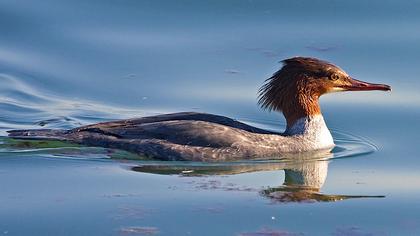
<point x="68" y="63"/>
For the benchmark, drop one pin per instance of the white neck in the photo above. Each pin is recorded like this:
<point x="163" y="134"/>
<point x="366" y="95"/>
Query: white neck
<point x="313" y="130"/>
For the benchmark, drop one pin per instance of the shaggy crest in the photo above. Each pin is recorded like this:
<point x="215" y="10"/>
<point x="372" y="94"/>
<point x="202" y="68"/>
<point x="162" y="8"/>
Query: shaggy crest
<point x="280" y="89"/>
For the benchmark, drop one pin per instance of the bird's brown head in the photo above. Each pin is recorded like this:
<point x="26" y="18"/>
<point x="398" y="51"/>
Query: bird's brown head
<point x="297" y="86"/>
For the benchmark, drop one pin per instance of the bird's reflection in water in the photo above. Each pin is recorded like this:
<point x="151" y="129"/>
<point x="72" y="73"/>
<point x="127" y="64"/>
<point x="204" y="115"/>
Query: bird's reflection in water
<point x="303" y="182"/>
<point x="305" y="174"/>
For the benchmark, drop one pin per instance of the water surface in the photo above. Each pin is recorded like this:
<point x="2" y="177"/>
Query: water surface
<point x="69" y="63"/>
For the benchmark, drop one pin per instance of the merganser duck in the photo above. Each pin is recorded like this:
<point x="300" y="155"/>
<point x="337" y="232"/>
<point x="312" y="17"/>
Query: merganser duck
<point x="293" y="90"/>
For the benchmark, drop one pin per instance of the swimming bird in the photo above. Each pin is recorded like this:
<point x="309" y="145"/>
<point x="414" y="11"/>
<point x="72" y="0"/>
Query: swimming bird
<point x="293" y="90"/>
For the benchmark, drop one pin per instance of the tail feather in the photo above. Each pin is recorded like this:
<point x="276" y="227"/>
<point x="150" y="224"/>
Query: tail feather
<point x="56" y="134"/>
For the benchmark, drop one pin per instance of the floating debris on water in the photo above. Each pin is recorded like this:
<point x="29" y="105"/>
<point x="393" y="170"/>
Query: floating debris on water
<point x="118" y="195"/>
<point x="137" y="230"/>
<point x="232" y="71"/>
<point x="209" y="209"/>
<point x="321" y="48"/>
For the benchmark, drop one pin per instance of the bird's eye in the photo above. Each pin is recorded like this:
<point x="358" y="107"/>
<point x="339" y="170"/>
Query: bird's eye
<point x="334" y="77"/>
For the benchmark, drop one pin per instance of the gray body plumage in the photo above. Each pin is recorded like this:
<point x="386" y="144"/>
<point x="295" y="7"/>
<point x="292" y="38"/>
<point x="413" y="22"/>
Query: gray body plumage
<point x="180" y="136"/>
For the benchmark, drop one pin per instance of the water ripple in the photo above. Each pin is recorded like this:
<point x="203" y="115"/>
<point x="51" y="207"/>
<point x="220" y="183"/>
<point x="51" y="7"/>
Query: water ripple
<point x="24" y="107"/>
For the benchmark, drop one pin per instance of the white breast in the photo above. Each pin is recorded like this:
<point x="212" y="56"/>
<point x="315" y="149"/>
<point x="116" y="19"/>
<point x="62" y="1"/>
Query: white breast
<point x="313" y="131"/>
